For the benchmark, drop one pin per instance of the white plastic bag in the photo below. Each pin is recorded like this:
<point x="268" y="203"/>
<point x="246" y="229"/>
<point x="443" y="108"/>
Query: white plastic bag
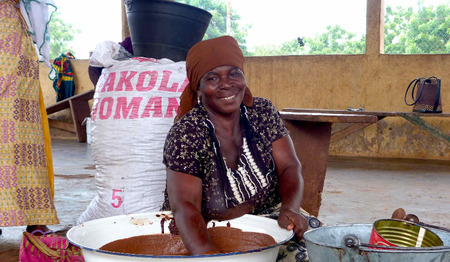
<point x="134" y="106"/>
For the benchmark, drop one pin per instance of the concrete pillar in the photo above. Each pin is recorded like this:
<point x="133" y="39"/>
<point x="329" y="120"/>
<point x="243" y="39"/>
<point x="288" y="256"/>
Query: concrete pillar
<point x="125" y="29"/>
<point x="375" y="27"/>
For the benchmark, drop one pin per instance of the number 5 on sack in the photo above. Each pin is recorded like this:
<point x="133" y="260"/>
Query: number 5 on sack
<point x="116" y="199"/>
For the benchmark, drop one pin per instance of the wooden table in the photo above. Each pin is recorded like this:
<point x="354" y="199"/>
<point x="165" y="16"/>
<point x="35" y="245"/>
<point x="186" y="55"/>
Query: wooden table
<point x="310" y="130"/>
<point x="79" y="109"/>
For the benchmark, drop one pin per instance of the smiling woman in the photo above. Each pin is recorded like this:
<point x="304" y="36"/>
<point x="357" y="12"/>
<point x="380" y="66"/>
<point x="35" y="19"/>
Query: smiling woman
<point x="229" y="154"/>
<point x="222" y="90"/>
<point x="197" y="66"/>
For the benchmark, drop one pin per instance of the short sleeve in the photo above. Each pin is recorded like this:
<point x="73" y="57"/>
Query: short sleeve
<point x="278" y="128"/>
<point x="267" y="120"/>
<point x="182" y="149"/>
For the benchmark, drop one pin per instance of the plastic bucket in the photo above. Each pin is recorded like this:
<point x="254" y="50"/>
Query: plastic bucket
<point x="392" y="232"/>
<point x="165" y="29"/>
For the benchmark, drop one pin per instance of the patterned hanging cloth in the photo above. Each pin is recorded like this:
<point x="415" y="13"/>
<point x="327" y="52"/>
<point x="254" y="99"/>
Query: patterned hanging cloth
<point x="62" y="76"/>
<point x="26" y="165"/>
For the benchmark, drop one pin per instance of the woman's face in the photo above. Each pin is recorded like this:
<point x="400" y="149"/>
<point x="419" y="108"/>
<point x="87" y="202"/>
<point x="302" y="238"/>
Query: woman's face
<point x="222" y="89"/>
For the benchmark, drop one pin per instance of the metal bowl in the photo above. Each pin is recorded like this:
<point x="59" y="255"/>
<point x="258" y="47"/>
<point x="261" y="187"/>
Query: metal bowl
<point x="345" y="243"/>
<point x="91" y="235"/>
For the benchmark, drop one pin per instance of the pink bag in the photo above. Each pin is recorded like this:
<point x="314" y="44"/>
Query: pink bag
<point x="48" y="248"/>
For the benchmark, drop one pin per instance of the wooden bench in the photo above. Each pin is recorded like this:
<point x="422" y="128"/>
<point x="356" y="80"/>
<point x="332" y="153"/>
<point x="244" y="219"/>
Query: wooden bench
<point x="79" y="109"/>
<point x="310" y="130"/>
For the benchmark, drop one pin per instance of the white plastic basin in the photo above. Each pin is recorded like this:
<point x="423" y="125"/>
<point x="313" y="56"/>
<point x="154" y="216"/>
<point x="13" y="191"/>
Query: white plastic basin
<point x="91" y="235"/>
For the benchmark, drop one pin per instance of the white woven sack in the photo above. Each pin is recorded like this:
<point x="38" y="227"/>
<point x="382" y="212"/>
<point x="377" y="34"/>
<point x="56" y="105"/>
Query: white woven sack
<point x="134" y="106"/>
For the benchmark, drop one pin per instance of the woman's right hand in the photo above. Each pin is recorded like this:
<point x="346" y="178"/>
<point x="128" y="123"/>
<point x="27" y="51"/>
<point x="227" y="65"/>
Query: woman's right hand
<point x="185" y="197"/>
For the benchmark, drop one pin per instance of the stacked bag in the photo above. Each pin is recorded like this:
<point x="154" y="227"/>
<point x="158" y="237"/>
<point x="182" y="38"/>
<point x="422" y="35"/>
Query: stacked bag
<point x="135" y="103"/>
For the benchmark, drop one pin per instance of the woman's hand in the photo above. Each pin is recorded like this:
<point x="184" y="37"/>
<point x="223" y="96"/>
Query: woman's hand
<point x="293" y="220"/>
<point x="291" y="186"/>
<point x="185" y="195"/>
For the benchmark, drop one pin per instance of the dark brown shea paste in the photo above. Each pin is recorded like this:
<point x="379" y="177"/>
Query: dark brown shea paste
<point x="225" y="239"/>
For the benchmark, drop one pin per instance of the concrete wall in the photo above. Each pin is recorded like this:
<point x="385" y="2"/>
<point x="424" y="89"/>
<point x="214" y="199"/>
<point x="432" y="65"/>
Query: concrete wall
<point x="373" y="81"/>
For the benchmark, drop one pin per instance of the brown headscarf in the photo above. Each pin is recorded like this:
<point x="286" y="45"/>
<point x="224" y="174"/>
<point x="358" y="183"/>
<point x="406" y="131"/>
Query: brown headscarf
<point x="202" y="58"/>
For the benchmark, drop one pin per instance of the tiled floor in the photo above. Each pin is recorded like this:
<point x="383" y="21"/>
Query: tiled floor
<point x="355" y="191"/>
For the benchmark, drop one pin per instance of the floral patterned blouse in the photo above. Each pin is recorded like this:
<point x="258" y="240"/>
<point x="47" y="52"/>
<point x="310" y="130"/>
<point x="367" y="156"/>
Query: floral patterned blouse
<point x="191" y="147"/>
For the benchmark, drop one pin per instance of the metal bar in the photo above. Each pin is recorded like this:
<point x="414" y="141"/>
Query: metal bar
<point x="427" y="127"/>
<point x="348" y="131"/>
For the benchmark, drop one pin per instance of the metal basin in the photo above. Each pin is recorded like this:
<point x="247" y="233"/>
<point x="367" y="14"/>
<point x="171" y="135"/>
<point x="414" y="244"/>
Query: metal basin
<point x="343" y="243"/>
<point x="91" y="235"/>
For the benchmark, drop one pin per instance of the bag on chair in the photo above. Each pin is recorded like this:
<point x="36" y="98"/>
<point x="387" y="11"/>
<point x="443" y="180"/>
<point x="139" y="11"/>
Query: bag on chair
<point x="427" y="98"/>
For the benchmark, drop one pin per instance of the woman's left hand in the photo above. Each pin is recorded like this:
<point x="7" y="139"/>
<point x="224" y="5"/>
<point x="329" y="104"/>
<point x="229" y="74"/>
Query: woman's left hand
<point x="291" y="186"/>
<point x="292" y="220"/>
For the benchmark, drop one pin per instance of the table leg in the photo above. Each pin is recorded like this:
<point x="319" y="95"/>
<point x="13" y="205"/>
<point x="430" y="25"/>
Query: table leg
<point x="80" y="110"/>
<point x="311" y="141"/>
